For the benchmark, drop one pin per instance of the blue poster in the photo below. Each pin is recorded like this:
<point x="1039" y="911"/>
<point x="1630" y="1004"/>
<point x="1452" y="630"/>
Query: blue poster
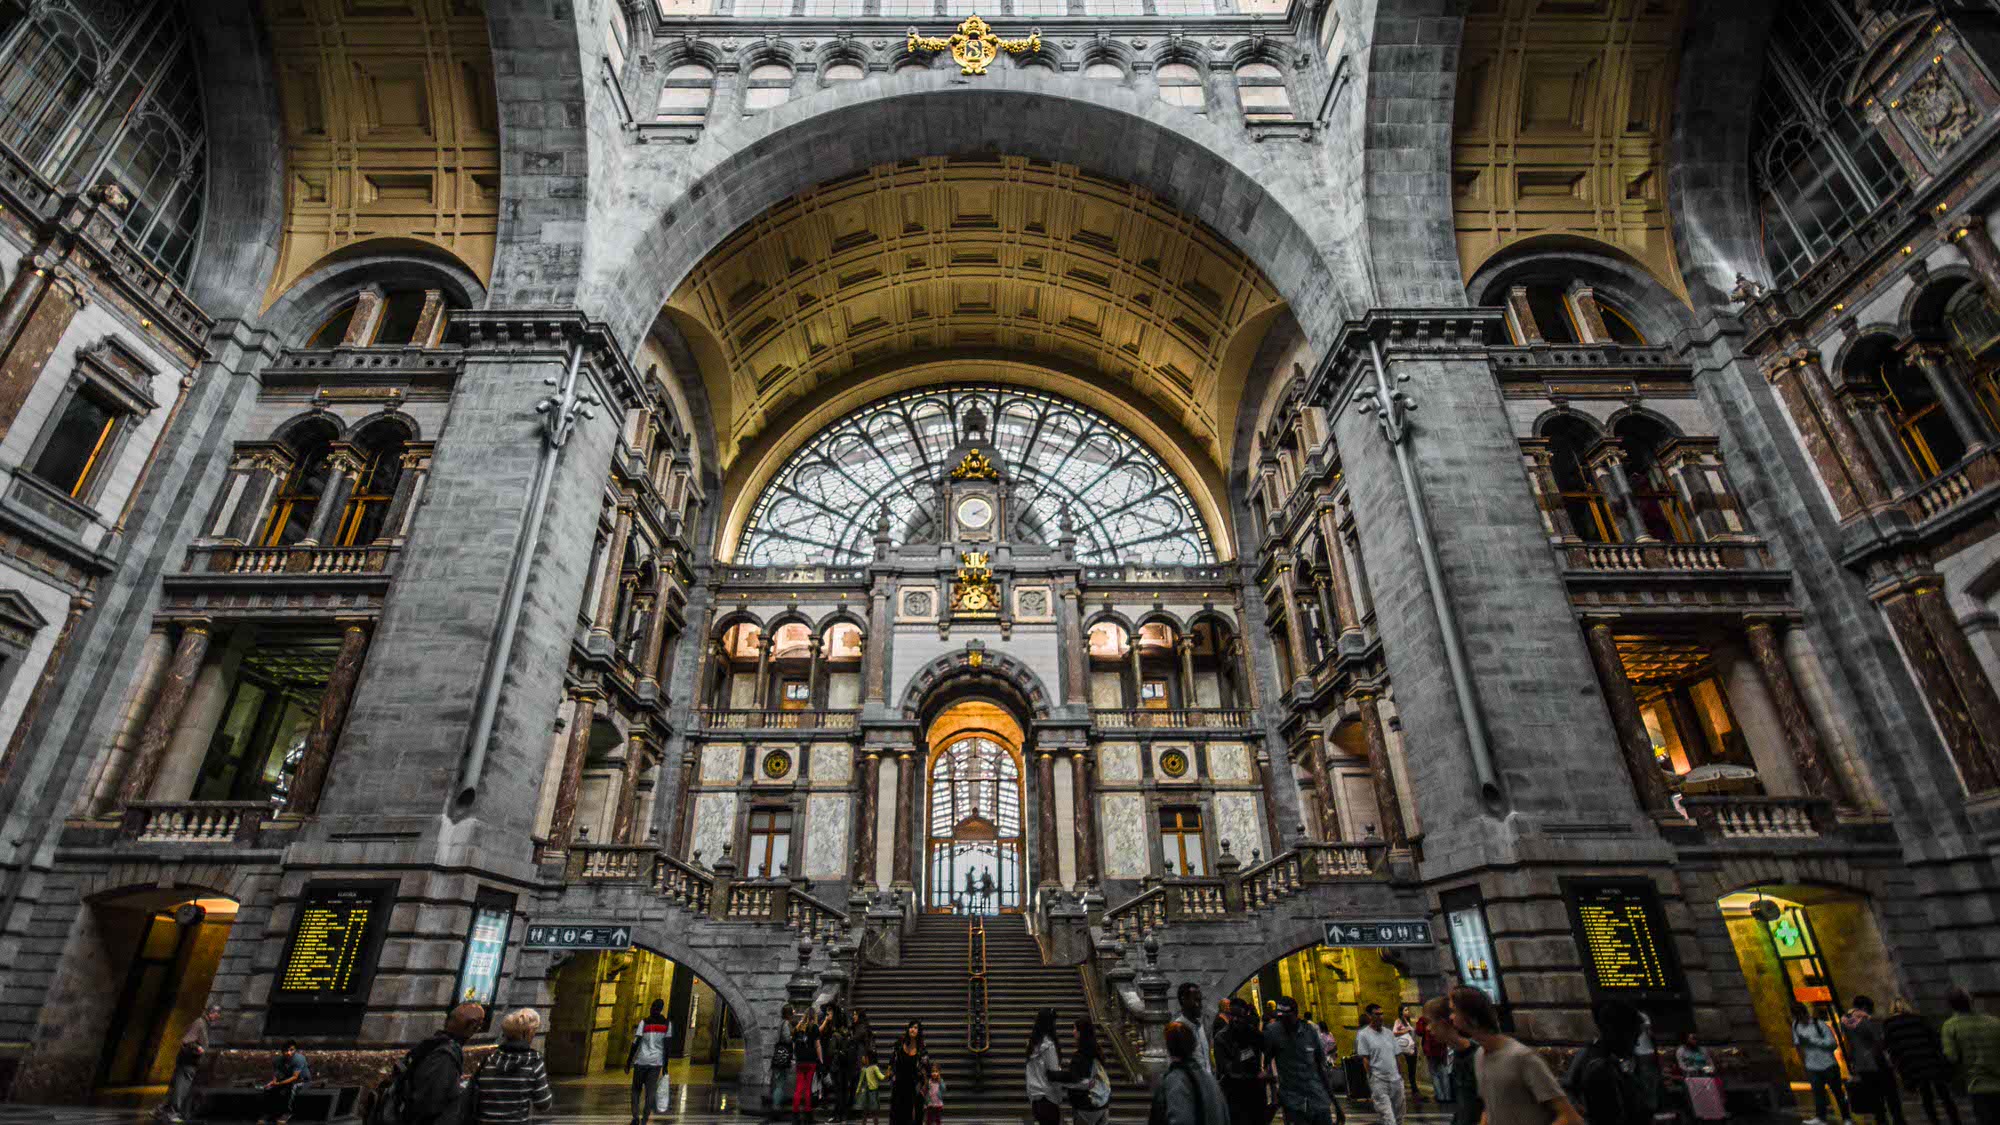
<point x="485" y="948"/>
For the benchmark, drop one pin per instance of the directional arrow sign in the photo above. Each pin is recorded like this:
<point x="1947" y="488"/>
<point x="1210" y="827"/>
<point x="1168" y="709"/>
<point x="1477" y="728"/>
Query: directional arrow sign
<point x="1398" y="931"/>
<point x="578" y="935"/>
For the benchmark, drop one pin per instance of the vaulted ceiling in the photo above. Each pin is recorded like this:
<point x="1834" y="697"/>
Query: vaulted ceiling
<point x="1561" y="127"/>
<point x="978" y="256"/>
<point x="391" y="129"/>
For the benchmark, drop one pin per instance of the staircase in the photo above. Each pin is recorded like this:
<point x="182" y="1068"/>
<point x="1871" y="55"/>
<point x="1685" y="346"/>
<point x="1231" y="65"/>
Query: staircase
<point x="930" y="985"/>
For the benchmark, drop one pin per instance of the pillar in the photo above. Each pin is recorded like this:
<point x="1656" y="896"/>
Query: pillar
<point x="1184" y="645"/>
<point x="1347" y="620"/>
<point x="1607" y="468"/>
<point x="333" y="703"/>
<point x="409" y="491"/>
<point x="1524" y="315"/>
<point x="1076" y="687"/>
<point x="103" y="791"/>
<point x="1295" y="624"/>
<point x="1971" y="238"/>
<point x="34" y="313"/>
<point x="906" y="815"/>
<point x="267" y="469"/>
<point x="877" y="642"/>
<point x="1809" y="756"/>
<point x="1634" y="742"/>
<point x="813" y="669"/>
<point x="1268" y="794"/>
<point x="1045" y="819"/>
<point x="1830" y="439"/>
<point x="367" y="318"/>
<point x="649" y="657"/>
<point x="1086" y="817"/>
<point x="158" y="732"/>
<point x="430" y="322"/>
<point x="52" y="666"/>
<point x="344" y="466"/>
<point x="1966" y="416"/>
<point x="762" y="698"/>
<point x="1388" y="803"/>
<point x="625" y="826"/>
<point x="1538" y="460"/>
<point x="1589" y="317"/>
<point x="1964" y="709"/>
<point x="1315" y="752"/>
<point x="562" y="820"/>
<point x="1870" y="411"/>
<point x="1138" y="669"/>
<point x="861" y="870"/>
<point x="610" y="582"/>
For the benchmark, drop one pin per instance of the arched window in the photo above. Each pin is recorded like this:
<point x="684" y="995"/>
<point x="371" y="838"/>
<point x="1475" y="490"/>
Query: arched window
<point x="767" y="85"/>
<point x="1571" y="441"/>
<point x="396" y="321"/>
<point x="1261" y="91"/>
<point x="1180" y="84"/>
<point x="1104" y="70"/>
<point x="297" y="502"/>
<point x="843" y="71"/>
<point x="975" y="825"/>
<point x="1620" y="326"/>
<point x="368" y="507"/>
<point x="686" y="94"/>
<point x="1654" y="499"/>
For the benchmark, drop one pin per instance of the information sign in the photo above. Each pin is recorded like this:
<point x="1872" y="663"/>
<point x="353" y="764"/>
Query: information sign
<point x="331" y="952"/>
<point x="1413" y="931"/>
<point x="1623" y="932"/>
<point x="485" y="949"/>
<point x="572" y="935"/>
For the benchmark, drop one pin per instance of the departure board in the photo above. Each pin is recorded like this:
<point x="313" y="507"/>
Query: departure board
<point x="332" y="948"/>
<point x="1623" y="934"/>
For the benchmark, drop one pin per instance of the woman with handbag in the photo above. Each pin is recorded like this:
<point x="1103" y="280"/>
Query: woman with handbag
<point x="1703" y="1087"/>
<point x="1044" y="1062"/>
<point x="1086" y="1085"/>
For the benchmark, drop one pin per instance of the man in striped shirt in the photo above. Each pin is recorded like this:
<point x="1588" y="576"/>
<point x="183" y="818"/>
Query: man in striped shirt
<point x="513" y="1082"/>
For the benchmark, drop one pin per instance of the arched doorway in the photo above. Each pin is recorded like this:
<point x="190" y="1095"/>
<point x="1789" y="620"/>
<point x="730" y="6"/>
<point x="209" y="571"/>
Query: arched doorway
<point x="169" y="944"/>
<point x="597" y="1000"/>
<point x="1333" y="986"/>
<point x="973" y="854"/>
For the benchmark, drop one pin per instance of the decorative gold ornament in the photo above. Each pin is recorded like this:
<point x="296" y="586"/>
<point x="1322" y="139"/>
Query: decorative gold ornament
<point x="777" y="764"/>
<point x="974" y="46"/>
<point x="973" y="594"/>
<point x="975" y="658"/>
<point x="975" y="466"/>
<point x="1174" y="763"/>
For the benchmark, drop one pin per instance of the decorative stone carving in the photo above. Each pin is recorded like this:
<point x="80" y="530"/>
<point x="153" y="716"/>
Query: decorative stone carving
<point x="918" y="604"/>
<point x="1939" y="109"/>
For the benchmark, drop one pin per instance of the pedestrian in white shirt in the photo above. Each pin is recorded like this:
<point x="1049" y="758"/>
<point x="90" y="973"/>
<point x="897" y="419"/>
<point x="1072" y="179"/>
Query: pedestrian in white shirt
<point x="1376" y="1045"/>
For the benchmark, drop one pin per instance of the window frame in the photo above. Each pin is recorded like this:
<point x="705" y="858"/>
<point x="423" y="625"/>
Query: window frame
<point x="1180" y="833"/>
<point x="686" y="116"/>
<point x="769" y="824"/>
<point x="110" y="374"/>
<point x="752" y="85"/>
<point x="1199" y="85"/>
<point x="1280" y="82"/>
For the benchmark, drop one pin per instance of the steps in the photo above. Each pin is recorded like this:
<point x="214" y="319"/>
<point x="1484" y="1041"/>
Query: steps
<point x="930" y="985"/>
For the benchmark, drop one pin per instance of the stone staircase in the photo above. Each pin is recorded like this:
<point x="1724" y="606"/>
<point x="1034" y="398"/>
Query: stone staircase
<point x="932" y="984"/>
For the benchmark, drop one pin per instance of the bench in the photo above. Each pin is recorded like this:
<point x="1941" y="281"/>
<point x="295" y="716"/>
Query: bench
<point x="239" y="1103"/>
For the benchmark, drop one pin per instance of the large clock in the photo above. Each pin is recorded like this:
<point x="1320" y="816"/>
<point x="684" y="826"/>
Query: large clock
<point x="975" y="512"/>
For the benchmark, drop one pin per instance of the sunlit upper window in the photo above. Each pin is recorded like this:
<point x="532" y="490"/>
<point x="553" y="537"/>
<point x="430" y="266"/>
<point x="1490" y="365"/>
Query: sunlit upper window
<point x="1180" y="84"/>
<point x="1261" y="91"/>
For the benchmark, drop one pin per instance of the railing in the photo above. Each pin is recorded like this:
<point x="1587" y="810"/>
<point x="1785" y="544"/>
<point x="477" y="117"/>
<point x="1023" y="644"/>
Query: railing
<point x="1234" y="891"/>
<point x="1958" y="483"/>
<point x="1640" y="557"/>
<point x="315" y="561"/>
<point x="193" y="822"/>
<point x="1583" y="356"/>
<point x="685" y="885"/>
<point x="1275" y="880"/>
<point x="978" y="1033"/>
<point x="810" y="916"/>
<point x="1137" y="916"/>
<point x="1225" y="718"/>
<point x="1761" y="818"/>
<point x="719" y="719"/>
<point x="613" y="863"/>
<point x="1133" y="572"/>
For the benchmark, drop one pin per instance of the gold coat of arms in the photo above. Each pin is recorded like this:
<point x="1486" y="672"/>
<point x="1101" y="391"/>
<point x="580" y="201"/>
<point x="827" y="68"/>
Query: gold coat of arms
<point x="974" y="46"/>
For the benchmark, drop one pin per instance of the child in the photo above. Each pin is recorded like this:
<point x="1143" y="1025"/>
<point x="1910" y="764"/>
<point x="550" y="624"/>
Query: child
<point x="868" y="1093"/>
<point x="934" y="1097"/>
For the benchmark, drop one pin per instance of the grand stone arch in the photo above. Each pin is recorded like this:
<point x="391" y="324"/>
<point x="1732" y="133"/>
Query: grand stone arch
<point x="674" y="206"/>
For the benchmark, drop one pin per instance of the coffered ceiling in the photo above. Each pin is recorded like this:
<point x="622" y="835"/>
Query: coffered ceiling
<point x="391" y="129"/>
<point x="994" y="256"/>
<point x="1561" y="126"/>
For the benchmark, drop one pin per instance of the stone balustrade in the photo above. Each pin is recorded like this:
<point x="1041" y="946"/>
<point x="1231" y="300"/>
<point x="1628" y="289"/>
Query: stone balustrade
<point x="289" y="561"/>
<point x="1761" y="818"/>
<point x="193" y="822"/>
<point x="768" y="719"/>
<point x="1639" y="558"/>
<point x="1191" y="718"/>
<point x="613" y="863"/>
<point x="1237" y="889"/>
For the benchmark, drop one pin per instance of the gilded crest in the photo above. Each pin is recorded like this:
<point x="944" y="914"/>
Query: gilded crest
<point x="974" y="46"/>
<point x="973" y="594"/>
<point x="975" y="465"/>
<point x="1938" y="109"/>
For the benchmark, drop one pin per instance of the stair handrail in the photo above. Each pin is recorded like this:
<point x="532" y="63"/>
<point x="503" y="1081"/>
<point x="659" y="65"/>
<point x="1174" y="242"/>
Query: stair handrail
<point x="978" y="1032"/>
<point x="1113" y="1029"/>
<point x="804" y="912"/>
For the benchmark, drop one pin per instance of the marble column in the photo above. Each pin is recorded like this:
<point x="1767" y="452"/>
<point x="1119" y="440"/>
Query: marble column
<point x="761" y="699"/>
<point x="310" y="778"/>
<point x="1185" y="647"/>
<point x="1086" y="817"/>
<point x="624" y="827"/>
<point x="876" y="651"/>
<point x="1589" y="317"/>
<point x="1830" y="440"/>
<point x="52" y="667"/>
<point x="267" y="468"/>
<point x="1138" y="670"/>
<point x="1048" y="858"/>
<point x="611" y="582"/>
<point x="1980" y="253"/>
<point x="1388" y="803"/>
<point x="1974" y="688"/>
<point x="1076" y="662"/>
<point x="1329" y="819"/>
<point x="1607" y="469"/>
<point x="416" y="465"/>
<point x="103" y="790"/>
<point x="367" y="318"/>
<point x="1295" y="624"/>
<point x="158" y="733"/>
<point x="430" y="321"/>
<point x="1347" y="619"/>
<point x="1524" y="315"/>
<point x="1538" y="459"/>
<point x="344" y="466"/>
<point x="906" y="815"/>
<point x="1268" y="799"/>
<point x="1870" y="411"/>
<point x="1809" y="755"/>
<point x="1936" y="366"/>
<point x="562" y="820"/>
<point x="814" y="698"/>
<point x="649" y="657"/>
<point x="861" y="874"/>
<point x="34" y="313"/>
<point x="1635" y="743"/>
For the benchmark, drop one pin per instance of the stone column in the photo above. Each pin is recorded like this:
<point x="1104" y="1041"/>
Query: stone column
<point x="267" y="468"/>
<point x="103" y="790"/>
<point x="1935" y="364"/>
<point x="1538" y="459"/>
<point x="906" y="816"/>
<point x="1589" y="316"/>
<point x="1347" y="620"/>
<point x="1634" y="741"/>
<point x="1315" y="753"/>
<point x="1076" y="683"/>
<point x="813" y="669"/>
<point x="610" y="583"/>
<point x="684" y="805"/>
<point x="649" y="659"/>
<point x="344" y="466"/>
<point x="562" y="820"/>
<point x="1329" y="621"/>
<point x="1829" y="435"/>
<point x="1138" y="670"/>
<point x="1045" y="819"/>
<point x="1607" y="468"/>
<point x="1295" y="624"/>
<point x="625" y="827"/>
<point x="1809" y="756"/>
<point x="52" y="666"/>
<point x="34" y="313"/>
<point x="158" y="733"/>
<point x="1274" y="831"/>
<point x="762" y="698"/>
<point x="1870" y="411"/>
<point x="1971" y="238"/>
<point x="1086" y="817"/>
<point x="861" y="870"/>
<point x="367" y="318"/>
<point x="1388" y="803"/>
<point x="430" y="321"/>
<point x="877" y="642"/>
<point x="333" y="701"/>
<point x="1524" y="315"/>
<point x="1185" y="646"/>
<point x="409" y="491"/>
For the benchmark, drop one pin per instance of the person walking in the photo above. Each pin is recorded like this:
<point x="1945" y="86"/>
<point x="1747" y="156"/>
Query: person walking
<point x="806" y="1058"/>
<point x="1466" y="1108"/>
<point x="1972" y="1043"/>
<point x="647" y="1060"/>
<point x="1917" y="1055"/>
<point x="1405" y="1031"/>
<point x="513" y="1082"/>
<point x="1296" y="1053"/>
<point x="1086" y="1084"/>
<point x="289" y="1074"/>
<point x="1868" y="1058"/>
<point x="1515" y="1086"/>
<point x="1815" y="1041"/>
<point x="934" y="1097"/>
<point x="1703" y="1087"/>
<point x="1377" y="1046"/>
<point x="194" y="1045"/>
<point x="1436" y="1058"/>
<point x="433" y="1085"/>
<point x="781" y="1063"/>
<point x="1239" y="1065"/>
<point x="1188" y="995"/>
<point x="1604" y="1077"/>
<point x="906" y="1077"/>
<point x="1186" y="1094"/>
<point x="868" y="1089"/>
<point x="1044" y="1062"/>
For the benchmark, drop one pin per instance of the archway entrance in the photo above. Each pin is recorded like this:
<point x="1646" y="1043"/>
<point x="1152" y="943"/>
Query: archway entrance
<point x="169" y="945"/>
<point x="1333" y="986"/>
<point x="596" y="1002"/>
<point x="975" y="856"/>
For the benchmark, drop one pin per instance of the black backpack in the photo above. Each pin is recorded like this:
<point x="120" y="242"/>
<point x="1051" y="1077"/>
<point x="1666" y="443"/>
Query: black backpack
<point x="392" y="1094"/>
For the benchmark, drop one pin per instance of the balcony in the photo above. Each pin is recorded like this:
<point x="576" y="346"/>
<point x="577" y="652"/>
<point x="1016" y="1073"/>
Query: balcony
<point x="194" y="822"/>
<point x="1196" y="718"/>
<point x="1642" y="558"/>
<point x="717" y="719"/>
<point x="302" y="561"/>
<point x="1740" y="819"/>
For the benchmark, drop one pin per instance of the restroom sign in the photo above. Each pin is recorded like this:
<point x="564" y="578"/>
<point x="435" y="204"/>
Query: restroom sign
<point x="573" y="935"/>
<point x="1400" y="931"/>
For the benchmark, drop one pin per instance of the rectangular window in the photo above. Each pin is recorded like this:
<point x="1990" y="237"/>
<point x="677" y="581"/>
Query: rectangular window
<point x="1180" y="843"/>
<point x="74" y="452"/>
<point x="796" y="696"/>
<point x="1153" y="693"/>
<point x="770" y="843"/>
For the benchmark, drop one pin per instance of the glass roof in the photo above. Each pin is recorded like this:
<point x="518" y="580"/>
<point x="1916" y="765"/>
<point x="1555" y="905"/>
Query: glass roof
<point x="1124" y="504"/>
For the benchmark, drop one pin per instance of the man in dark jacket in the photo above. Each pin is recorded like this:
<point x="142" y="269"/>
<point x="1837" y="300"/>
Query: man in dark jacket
<point x="1186" y="1094"/>
<point x="1603" y="1077"/>
<point x="1239" y="1065"/>
<point x="436" y="1076"/>
<point x="1299" y="1057"/>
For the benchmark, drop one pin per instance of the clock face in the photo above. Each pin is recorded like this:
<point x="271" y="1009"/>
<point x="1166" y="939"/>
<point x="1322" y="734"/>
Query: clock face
<point x="975" y="512"/>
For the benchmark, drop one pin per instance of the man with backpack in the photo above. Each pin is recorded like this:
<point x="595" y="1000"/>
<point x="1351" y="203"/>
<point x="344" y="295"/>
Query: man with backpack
<point x="428" y="1086"/>
<point x="1604" y="1077"/>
